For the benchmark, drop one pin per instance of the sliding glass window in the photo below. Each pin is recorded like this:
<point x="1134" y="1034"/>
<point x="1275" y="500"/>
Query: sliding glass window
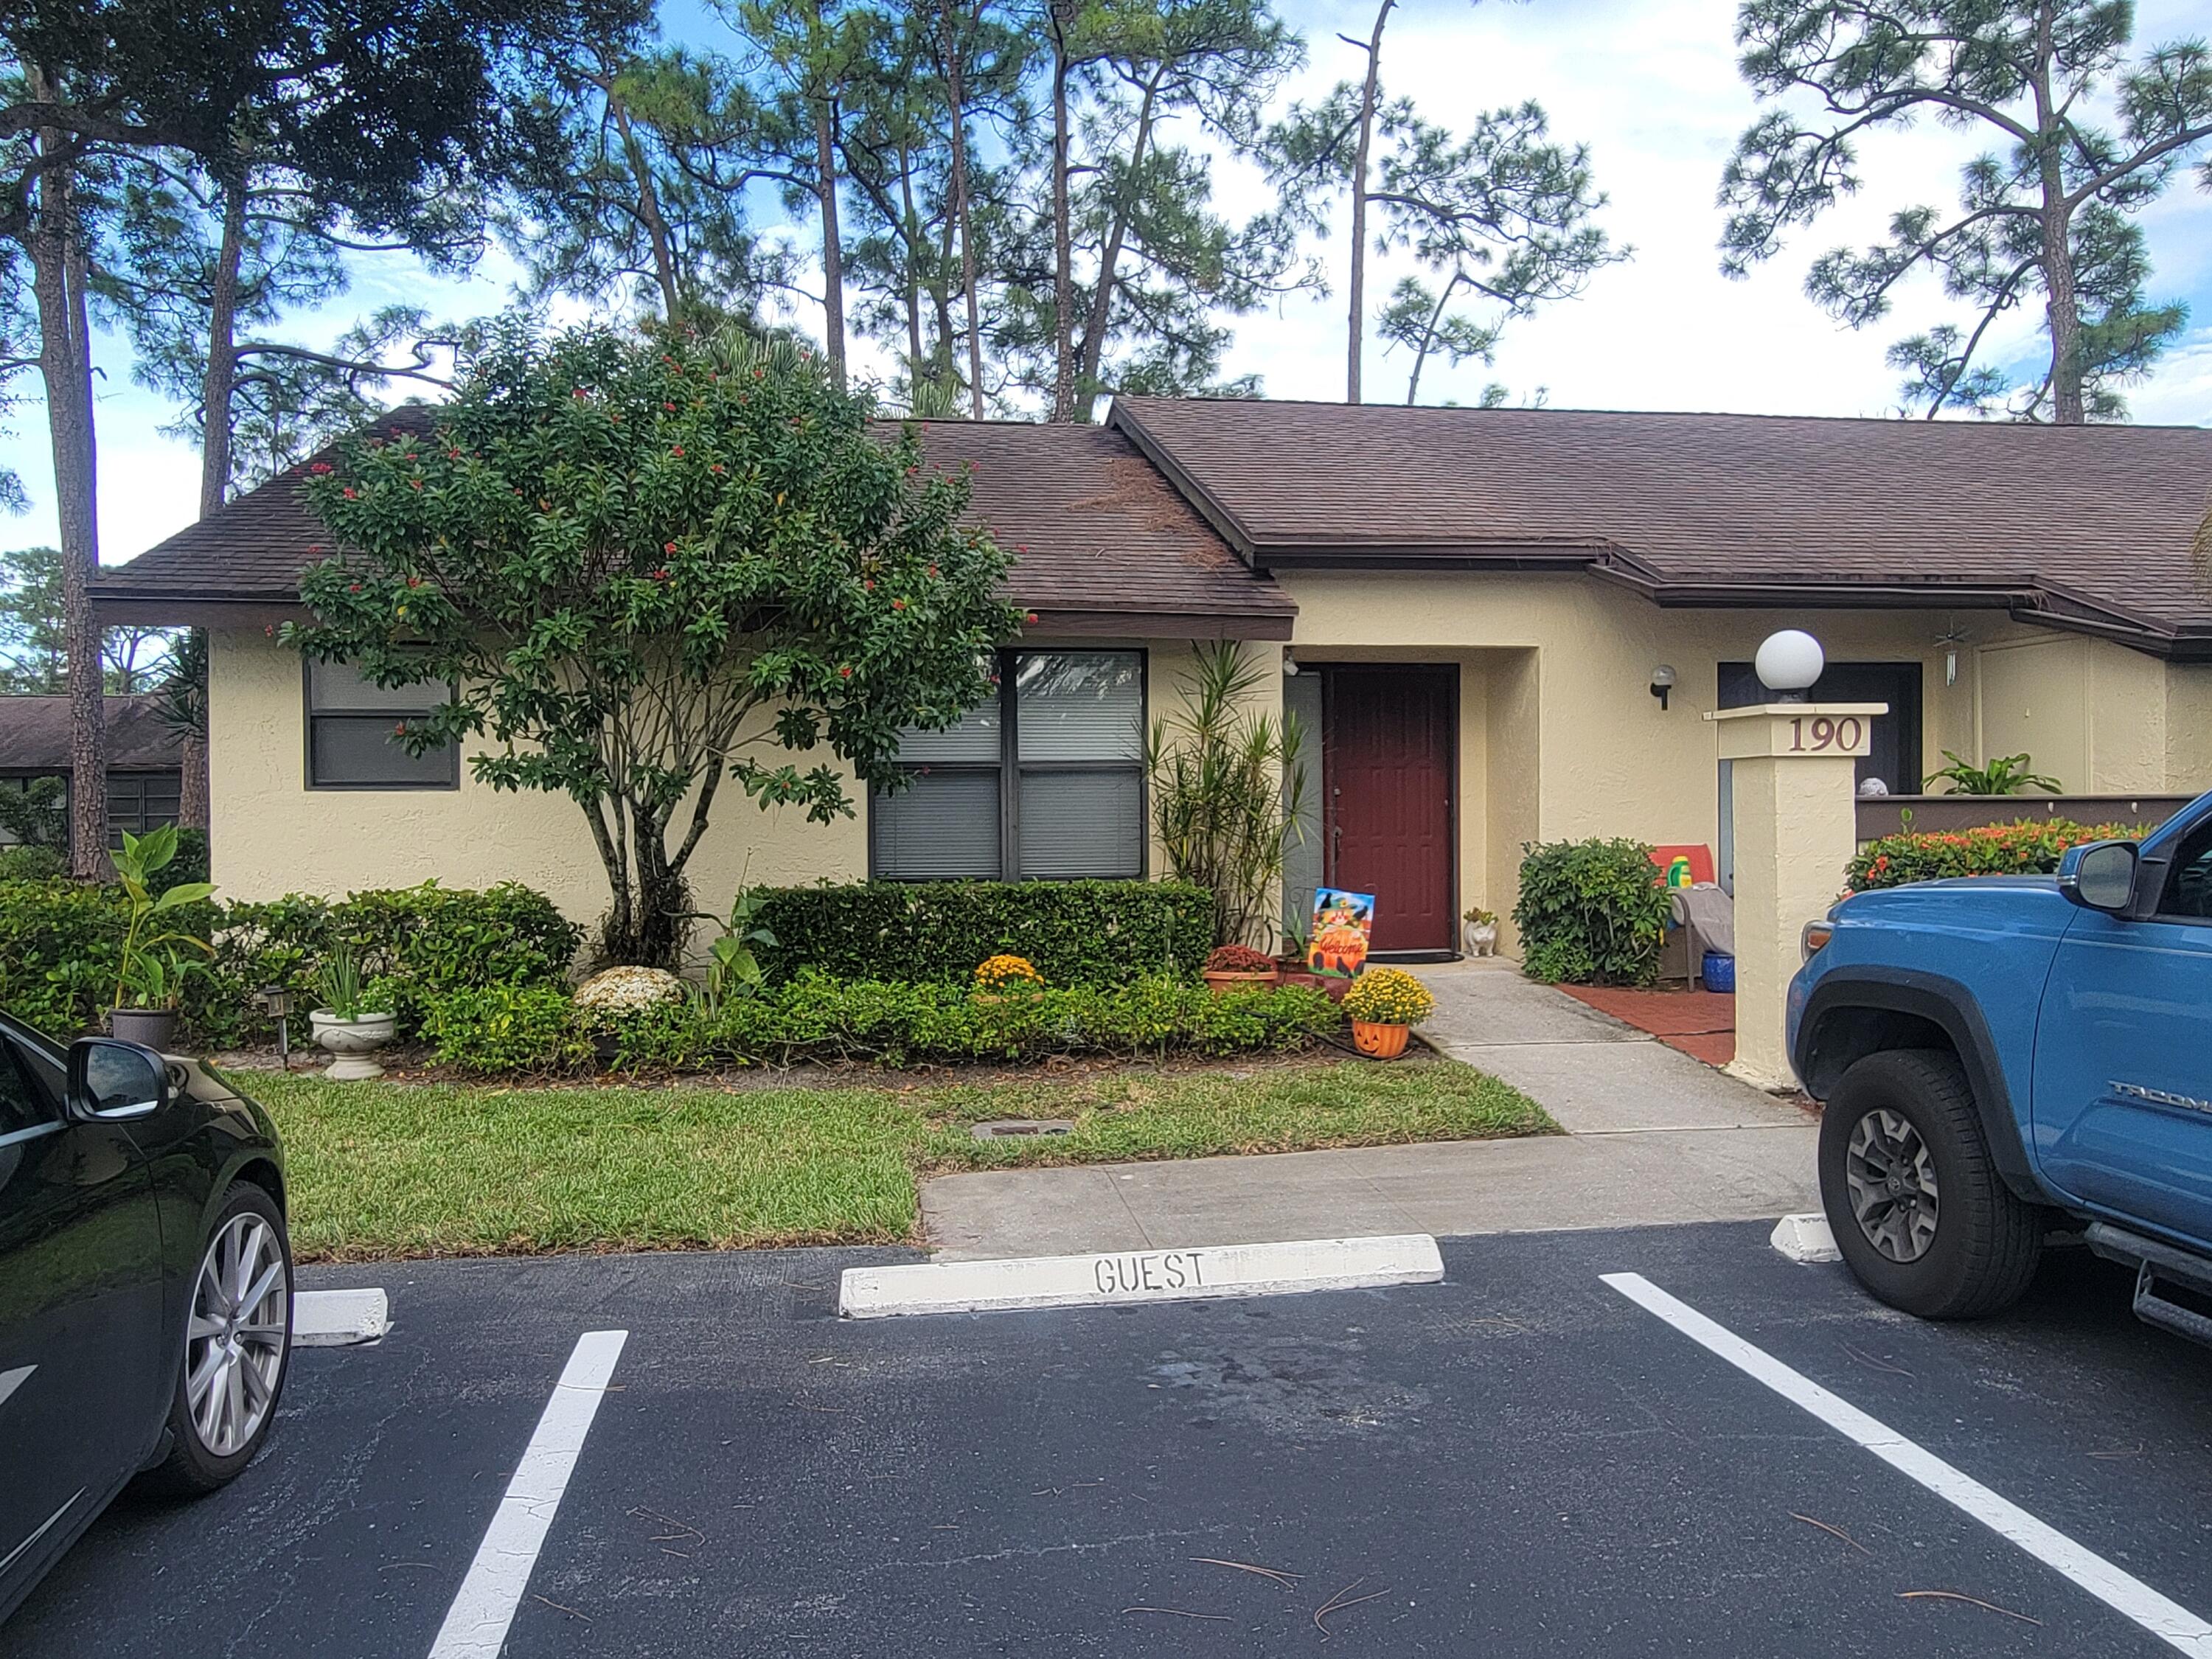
<point x="1047" y="782"/>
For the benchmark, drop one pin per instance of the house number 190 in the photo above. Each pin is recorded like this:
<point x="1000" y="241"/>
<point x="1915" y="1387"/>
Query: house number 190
<point x="1825" y="733"/>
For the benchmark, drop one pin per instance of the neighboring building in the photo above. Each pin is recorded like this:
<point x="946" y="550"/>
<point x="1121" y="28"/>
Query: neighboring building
<point x="145" y="765"/>
<point x="1474" y="602"/>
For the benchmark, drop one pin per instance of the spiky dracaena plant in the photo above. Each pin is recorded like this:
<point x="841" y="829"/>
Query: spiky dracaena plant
<point x="1227" y="785"/>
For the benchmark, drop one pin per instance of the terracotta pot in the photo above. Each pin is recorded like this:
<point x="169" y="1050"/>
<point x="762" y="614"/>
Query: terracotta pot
<point x="1379" y="1042"/>
<point x="1223" y="981"/>
<point x="350" y="1043"/>
<point x="150" y="1028"/>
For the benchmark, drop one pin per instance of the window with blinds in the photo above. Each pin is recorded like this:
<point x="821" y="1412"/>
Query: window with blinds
<point x="1046" y="782"/>
<point x="351" y="734"/>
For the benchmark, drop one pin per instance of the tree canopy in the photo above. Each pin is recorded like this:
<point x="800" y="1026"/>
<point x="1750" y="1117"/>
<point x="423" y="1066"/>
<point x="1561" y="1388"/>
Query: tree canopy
<point x="645" y="566"/>
<point x="2084" y="137"/>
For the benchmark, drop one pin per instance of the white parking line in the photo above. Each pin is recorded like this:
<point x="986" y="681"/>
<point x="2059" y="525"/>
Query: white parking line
<point x="475" y="1625"/>
<point x="2121" y="1591"/>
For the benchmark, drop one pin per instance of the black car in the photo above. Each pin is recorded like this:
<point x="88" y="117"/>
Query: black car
<point x="145" y="1285"/>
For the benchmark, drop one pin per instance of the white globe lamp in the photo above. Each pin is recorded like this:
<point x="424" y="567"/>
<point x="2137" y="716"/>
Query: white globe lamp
<point x="1788" y="663"/>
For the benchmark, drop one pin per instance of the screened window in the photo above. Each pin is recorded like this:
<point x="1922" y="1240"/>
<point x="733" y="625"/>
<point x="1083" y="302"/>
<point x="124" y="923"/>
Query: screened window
<point x="1047" y="782"/>
<point x="351" y="736"/>
<point x="139" y="801"/>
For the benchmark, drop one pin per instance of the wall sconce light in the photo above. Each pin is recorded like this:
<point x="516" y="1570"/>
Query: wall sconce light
<point x="1663" y="684"/>
<point x="1290" y="662"/>
<point x="1788" y="663"/>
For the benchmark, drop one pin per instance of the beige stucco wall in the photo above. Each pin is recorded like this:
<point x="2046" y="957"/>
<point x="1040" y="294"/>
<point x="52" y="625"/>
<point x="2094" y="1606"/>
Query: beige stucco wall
<point x="1576" y="745"/>
<point x="1558" y="736"/>
<point x="2096" y="716"/>
<point x="271" y="835"/>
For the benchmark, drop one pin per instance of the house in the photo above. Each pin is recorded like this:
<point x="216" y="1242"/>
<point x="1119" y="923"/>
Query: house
<point x="145" y="757"/>
<point x="1471" y="609"/>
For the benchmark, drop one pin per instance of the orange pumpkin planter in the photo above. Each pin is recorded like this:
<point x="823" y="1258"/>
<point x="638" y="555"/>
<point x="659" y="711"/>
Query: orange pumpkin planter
<point x="1383" y="1003"/>
<point x="1379" y="1042"/>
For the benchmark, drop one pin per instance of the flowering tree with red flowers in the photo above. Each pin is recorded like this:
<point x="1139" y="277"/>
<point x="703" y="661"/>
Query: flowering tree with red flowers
<point x="647" y="565"/>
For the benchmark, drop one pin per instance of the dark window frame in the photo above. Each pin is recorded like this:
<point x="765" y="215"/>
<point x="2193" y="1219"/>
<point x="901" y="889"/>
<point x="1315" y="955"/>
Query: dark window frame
<point x="310" y="713"/>
<point x="2179" y="871"/>
<point x="1010" y="769"/>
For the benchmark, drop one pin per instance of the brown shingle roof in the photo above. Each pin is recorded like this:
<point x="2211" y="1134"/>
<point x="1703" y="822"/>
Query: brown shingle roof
<point x="2084" y="526"/>
<point x="1111" y="547"/>
<point x="34" y="736"/>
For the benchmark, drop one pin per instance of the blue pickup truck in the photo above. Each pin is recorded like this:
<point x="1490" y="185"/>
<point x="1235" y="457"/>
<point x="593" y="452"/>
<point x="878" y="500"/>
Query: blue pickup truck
<point x="2005" y="1059"/>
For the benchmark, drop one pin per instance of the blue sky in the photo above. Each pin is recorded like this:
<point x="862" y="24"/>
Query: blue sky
<point x="1650" y="85"/>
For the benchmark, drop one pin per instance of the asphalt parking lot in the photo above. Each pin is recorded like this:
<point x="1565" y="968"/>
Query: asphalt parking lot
<point x="1520" y="1460"/>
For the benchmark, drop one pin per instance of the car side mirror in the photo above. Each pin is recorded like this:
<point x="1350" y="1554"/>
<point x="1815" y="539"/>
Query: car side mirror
<point x="2099" y="875"/>
<point x="110" y="1079"/>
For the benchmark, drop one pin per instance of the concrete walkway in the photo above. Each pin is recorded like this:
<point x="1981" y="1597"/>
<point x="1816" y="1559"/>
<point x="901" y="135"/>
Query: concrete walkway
<point x="1652" y="1137"/>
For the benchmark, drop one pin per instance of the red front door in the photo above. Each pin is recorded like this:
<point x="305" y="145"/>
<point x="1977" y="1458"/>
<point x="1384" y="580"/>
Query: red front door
<point x="1388" y="746"/>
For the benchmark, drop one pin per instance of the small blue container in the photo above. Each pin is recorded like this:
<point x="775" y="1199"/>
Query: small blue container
<point x="1718" y="973"/>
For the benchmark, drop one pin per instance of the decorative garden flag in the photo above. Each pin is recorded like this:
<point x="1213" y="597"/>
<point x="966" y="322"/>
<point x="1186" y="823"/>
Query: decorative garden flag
<point x="1342" y="923"/>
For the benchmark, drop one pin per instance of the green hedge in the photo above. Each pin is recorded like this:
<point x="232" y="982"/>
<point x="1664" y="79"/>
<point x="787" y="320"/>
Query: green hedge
<point x="1075" y="932"/>
<point x="1590" y="912"/>
<point x="58" y="944"/>
<point x="58" y="947"/>
<point x="2029" y="846"/>
<point x="502" y="1032"/>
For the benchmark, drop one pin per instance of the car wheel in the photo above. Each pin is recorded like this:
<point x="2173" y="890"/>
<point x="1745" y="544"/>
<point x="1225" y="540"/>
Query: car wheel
<point x="238" y="1345"/>
<point x="1919" y="1211"/>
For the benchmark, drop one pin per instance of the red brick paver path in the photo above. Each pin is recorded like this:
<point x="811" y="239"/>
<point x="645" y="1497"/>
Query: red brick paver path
<point x="1701" y="1023"/>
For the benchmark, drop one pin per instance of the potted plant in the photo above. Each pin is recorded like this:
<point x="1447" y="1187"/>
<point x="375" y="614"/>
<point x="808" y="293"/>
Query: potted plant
<point x="1238" y="967"/>
<point x="1384" y="1003"/>
<point x="151" y="975"/>
<point x="345" y="1024"/>
<point x="1002" y="975"/>
<point x="1477" y="933"/>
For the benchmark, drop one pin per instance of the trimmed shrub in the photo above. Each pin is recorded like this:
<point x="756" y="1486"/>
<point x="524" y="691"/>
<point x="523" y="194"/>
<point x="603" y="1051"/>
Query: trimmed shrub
<point x="1076" y="932"/>
<point x="59" y="942"/>
<point x="896" y="1024"/>
<point x="506" y="1030"/>
<point x="27" y="863"/>
<point x="2030" y="847"/>
<point x="421" y="942"/>
<point x="1591" y="913"/>
<point x="191" y="863"/>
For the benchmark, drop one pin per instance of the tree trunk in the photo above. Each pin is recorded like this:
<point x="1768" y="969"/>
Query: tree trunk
<point x="60" y="263"/>
<point x="649" y="202"/>
<point x="221" y="373"/>
<point x="1063" y="237"/>
<point x="2062" y="309"/>
<point x="956" y="102"/>
<point x="910" y="238"/>
<point x="1428" y="339"/>
<point x="833" y="251"/>
<point x="193" y="797"/>
<point x="1102" y="299"/>
<point x="1356" y="287"/>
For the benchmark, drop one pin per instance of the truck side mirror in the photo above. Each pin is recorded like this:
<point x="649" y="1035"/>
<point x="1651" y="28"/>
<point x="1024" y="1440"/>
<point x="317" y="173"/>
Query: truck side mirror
<point x="2099" y="875"/>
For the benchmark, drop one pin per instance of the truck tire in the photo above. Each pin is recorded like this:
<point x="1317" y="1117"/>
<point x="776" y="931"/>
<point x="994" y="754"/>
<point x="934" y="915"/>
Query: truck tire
<point x="1919" y="1212"/>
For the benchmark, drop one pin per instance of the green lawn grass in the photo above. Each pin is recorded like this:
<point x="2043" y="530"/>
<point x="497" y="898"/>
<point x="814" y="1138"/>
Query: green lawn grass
<point x="380" y="1170"/>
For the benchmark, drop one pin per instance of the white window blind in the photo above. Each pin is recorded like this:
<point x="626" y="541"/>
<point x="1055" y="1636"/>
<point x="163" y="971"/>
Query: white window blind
<point x="351" y="734"/>
<point x="1045" y="781"/>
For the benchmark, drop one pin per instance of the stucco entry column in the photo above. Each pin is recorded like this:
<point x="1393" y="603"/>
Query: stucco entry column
<point x="1795" y="830"/>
